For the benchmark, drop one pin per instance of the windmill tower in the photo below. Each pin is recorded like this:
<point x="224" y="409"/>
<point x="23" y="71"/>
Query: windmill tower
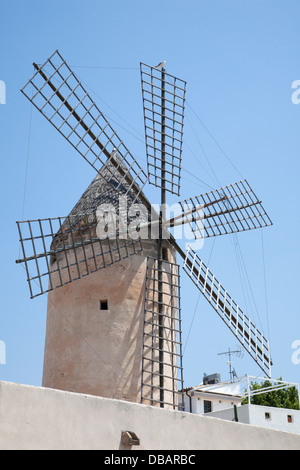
<point x="95" y="326"/>
<point x="116" y="331"/>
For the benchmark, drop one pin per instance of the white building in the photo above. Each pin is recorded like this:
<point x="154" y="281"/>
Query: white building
<point x="223" y="400"/>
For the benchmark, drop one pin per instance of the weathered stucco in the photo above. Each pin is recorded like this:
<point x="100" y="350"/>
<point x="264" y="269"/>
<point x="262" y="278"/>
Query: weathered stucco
<point x="94" y="351"/>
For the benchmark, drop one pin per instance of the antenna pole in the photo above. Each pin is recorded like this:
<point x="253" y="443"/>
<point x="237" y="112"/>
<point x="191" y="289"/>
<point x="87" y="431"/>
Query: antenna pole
<point x="229" y="354"/>
<point x="230" y="365"/>
<point x="160" y="250"/>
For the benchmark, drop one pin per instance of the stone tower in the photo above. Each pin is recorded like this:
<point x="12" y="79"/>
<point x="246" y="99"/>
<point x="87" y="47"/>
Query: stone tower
<point x="95" y="325"/>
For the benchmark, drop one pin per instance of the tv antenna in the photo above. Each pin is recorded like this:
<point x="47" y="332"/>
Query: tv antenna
<point x="229" y="353"/>
<point x="54" y="248"/>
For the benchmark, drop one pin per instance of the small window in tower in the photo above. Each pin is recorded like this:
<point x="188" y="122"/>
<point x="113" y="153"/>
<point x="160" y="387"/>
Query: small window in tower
<point x="103" y="304"/>
<point x="290" y="419"/>
<point x="165" y="254"/>
<point x="268" y="416"/>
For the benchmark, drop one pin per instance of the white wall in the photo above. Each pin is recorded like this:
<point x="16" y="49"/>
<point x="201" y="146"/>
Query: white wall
<point x="218" y="402"/>
<point x="39" y="418"/>
<point x="278" y="418"/>
<point x="255" y="415"/>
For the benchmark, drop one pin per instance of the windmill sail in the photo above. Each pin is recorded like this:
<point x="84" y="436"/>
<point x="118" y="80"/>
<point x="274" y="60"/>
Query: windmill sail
<point x="60" y="250"/>
<point x="162" y="373"/>
<point x="229" y="311"/>
<point x="234" y="208"/>
<point x="164" y="105"/>
<point x="61" y="98"/>
<point x="57" y="251"/>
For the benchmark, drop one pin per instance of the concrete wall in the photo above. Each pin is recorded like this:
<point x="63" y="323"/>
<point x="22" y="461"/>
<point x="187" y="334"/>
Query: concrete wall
<point x="39" y="418"/>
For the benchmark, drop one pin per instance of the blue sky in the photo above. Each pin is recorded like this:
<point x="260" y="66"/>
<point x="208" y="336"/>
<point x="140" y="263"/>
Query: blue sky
<point x="239" y="60"/>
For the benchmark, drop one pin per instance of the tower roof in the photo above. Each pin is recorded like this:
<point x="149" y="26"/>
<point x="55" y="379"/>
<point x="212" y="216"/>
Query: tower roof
<point x="101" y="192"/>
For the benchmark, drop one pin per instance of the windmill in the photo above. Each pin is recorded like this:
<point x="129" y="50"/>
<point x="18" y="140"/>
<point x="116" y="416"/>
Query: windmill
<point x="58" y="251"/>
